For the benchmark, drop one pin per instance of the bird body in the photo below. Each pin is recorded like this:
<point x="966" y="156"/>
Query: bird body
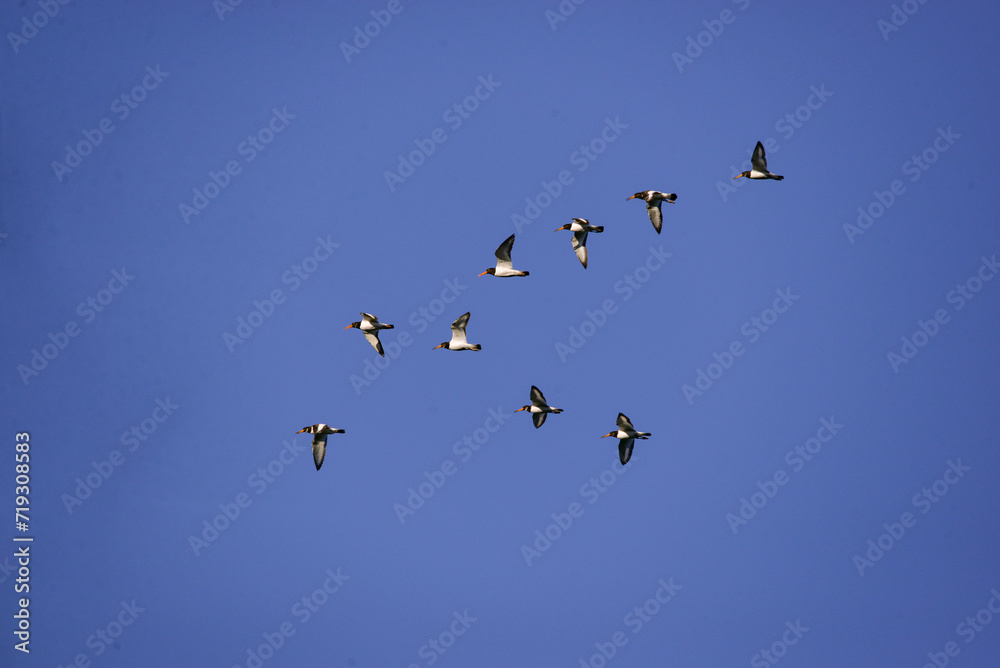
<point x="626" y="435"/>
<point x="370" y="326"/>
<point x="580" y="227"/>
<point x="759" y="163"/>
<point x="319" y="432"/>
<point x="504" y="266"/>
<point x="458" y="338"/>
<point x="654" y="199"/>
<point x="538" y="407"/>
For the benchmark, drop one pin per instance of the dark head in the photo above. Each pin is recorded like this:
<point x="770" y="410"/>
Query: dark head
<point x="610" y="433"/>
<point x="746" y="174"/>
<point x="522" y="408"/>
<point x="354" y="324"/>
<point x="564" y="227"/>
<point x="491" y="271"/>
<point x="441" y="345"/>
<point x="641" y="195"/>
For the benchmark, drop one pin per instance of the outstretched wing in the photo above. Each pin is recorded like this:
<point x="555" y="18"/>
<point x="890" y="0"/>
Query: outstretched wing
<point x="625" y="450"/>
<point x="372" y="337"/>
<point x="458" y="328"/>
<point x="538" y="419"/>
<point x="580" y="246"/>
<point x="319" y="449"/>
<point x="759" y="160"/>
<point x="655" y="215"/>
<point x="536" y="397"/>
<point x="503" y="253"/>
<point x="624" y="423"/>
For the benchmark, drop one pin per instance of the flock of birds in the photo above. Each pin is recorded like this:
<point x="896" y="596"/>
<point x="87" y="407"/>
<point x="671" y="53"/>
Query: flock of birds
<point x="538" y="408"/>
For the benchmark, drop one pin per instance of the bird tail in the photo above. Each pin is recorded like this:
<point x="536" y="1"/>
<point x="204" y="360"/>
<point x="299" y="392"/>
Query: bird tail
<point x="777" y="178"/>
<point x="599" y="228"/>
<point x="388" y="327"/>
<point x="477" y="347"/>
<point x="557" y="410"/>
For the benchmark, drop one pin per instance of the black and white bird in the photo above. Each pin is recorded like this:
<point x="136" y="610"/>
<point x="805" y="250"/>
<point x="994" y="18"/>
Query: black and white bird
<point x="653" y="199"/>
<point x="626" y="435"/>
<point x="759" y="163"/>
<point x="504" y="266"/>
<point x="580" y="227"/>
<point x="458" y="340"/>
<point x="370" y="325"/>
<point x="538" y="408"/>
<point x="319" y="432"/>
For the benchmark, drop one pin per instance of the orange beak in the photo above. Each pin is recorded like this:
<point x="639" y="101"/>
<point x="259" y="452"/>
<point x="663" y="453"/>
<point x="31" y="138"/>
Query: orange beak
<point x="349" y="326"/>
<point x="736" y="177"/>
<point x="485" y="272"/>
<point x="441" y="345"/>
<point x="632" y="197"/>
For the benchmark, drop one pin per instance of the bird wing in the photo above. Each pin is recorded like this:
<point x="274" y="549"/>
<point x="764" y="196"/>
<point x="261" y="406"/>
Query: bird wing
<point x="580" y="246"/>
<point x="624" y="423"/>
<point x="655" y="215"/>
<point x="319" y="449"/>
<point x="369" y="318"/>
<point x="503" y="250"/>
<point x="582" y="221"/>
<point x="538" y="419"/>
<point x="458" y="328"/>
<point x="536" y="397"/>
<point x="372" y="337"/>
<point x="625" y="450"/>
<point x="759" y="160"/>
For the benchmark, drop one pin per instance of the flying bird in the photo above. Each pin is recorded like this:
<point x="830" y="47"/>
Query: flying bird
<point x="759" y="163"/>
<point x="458" y="340"/>
<point x="504" y="266"/>
<point x="538" y="408"/>
<point x="653" y="200"/>
<point x="580" y="227"/>
<point x="319" y="432"/>
<point x="626" y="435"/>
<point x="370" y="325"/>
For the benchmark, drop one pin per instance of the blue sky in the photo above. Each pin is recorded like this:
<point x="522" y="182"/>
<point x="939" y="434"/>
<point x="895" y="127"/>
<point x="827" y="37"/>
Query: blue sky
<point x="195" y="202"/>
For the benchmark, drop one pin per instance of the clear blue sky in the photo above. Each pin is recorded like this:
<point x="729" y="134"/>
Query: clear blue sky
<point x="195" y="202"/>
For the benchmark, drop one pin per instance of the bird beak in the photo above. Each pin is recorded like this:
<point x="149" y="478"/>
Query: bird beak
<point x="349" y="326"/>
<point x="440" y="345"/>
<point x="519" y="410"/>
<point x="736" y="177"/>
<point x="485" y="272"/>
<point x="632" y="197"/>
<point x="608" y="434"/>
<point x="300" y="431"/>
